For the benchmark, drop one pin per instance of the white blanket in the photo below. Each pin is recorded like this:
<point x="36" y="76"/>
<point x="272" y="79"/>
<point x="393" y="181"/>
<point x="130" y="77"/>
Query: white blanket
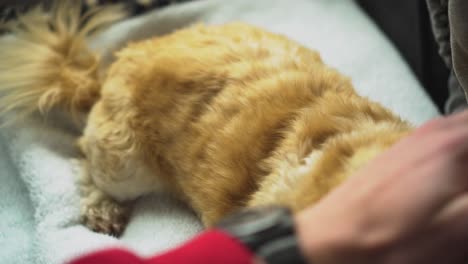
<point x="39" y="205"/>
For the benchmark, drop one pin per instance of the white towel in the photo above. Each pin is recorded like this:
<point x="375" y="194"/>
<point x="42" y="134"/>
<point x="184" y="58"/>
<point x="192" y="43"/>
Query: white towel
<point x="39" y="205"/>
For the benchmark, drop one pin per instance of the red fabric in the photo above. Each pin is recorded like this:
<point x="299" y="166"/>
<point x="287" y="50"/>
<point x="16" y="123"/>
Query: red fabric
<point x="211" y="247"/>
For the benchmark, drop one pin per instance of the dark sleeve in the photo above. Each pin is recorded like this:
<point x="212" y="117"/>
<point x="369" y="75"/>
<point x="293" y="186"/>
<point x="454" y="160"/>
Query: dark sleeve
<point x="446" y="25"/>
<point x="458" y="17"/>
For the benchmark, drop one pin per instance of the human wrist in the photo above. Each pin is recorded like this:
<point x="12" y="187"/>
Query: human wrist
<point x="315" y="246"/>
<point x="325" y="242"/>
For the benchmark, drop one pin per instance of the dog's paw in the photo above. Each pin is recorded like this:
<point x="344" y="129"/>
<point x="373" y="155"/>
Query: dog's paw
<point x="105" y="216"/>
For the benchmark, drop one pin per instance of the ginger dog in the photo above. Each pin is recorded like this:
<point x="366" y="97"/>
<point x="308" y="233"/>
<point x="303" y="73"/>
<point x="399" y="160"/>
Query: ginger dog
<point x="223" y="117"/>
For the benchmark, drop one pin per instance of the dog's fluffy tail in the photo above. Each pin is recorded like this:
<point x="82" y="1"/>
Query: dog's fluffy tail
<point x="45" y="61"/>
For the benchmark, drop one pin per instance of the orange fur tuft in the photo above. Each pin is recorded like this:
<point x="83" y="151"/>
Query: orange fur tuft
<point x="45" y="61"/>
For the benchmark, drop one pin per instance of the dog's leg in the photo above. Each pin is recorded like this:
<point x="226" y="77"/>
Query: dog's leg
<point x="114" y="171"/>
<point x="99" y="211"/>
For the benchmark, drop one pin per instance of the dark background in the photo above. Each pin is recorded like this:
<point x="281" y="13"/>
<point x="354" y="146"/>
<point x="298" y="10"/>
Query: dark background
<point x="406" y="23"/>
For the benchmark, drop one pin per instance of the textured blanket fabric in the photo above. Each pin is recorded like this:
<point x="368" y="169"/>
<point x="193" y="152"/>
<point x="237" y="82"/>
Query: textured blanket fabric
<point x="16" y="212"/>
<point x="39" y="205"/>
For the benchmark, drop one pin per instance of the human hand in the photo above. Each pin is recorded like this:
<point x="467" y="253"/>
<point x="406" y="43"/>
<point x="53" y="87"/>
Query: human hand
<point x="409" y="205"/>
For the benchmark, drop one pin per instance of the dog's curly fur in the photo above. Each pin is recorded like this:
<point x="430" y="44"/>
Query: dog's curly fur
<point x="223" y="117"/>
